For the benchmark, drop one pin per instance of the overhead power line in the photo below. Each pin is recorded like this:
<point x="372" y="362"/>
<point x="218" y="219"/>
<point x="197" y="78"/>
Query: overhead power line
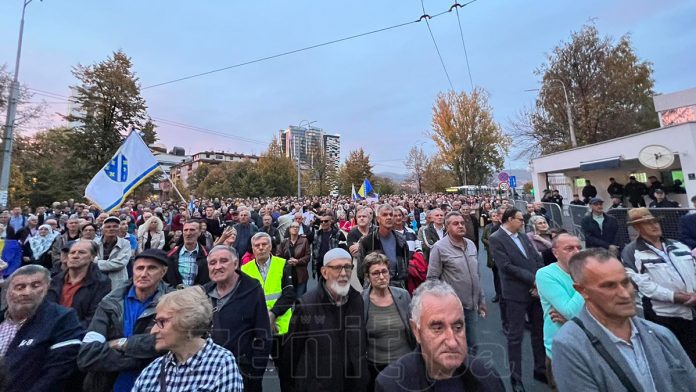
<point x="301" y="50"/>
<point x="456" y="7"/>
<point x="426" y="17"/>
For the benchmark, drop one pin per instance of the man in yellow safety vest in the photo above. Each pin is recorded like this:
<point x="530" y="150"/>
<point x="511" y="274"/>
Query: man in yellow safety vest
<point x="275" y="276"/>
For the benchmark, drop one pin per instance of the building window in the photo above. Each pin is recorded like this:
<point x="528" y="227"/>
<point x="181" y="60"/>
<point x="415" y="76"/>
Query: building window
<point x="640" y="177"/>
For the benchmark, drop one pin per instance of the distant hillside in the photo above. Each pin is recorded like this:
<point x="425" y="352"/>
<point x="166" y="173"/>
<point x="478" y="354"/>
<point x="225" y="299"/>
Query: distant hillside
<point x="396" y="177"/>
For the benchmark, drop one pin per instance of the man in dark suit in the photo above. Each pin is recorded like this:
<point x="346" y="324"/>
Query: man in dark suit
<point x="518" y="262"/>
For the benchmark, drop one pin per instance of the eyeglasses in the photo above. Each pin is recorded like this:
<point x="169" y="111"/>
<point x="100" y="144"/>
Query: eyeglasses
<point x="377" y="274"/>
<point x="159" y="322"/>
<point x="325" y="220"/>
<point x="338" y="268"/>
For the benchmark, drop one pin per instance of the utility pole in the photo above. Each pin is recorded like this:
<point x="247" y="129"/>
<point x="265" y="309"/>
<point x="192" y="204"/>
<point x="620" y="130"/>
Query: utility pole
<point x="569" y="113"/>
<point x="12" y="102"/>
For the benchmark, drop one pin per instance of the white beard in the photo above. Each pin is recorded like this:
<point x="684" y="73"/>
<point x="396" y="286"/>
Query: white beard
<point x="338" y="289"/>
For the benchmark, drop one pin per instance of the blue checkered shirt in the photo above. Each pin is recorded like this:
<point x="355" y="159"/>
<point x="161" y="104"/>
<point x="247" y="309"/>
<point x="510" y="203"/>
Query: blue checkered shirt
<point x="188" y="267"/>
<point x="211" y="369"/>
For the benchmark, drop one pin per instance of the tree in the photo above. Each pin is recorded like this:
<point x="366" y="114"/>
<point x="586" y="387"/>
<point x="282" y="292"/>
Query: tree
<point x="385" y="186"/>
<point x="108" y="103"/>
<point x="25" y="110"/>
<point x="320" y="179"/>
<point x="436" y="178"/>
<point x="470" y="143"/>
<point x="609" y="89"/>
<point x="277" y="172"/>
<point x="197" y="176"/>
<point x="232" y="179"/>
<point x="416" y="162"/>
<point x="47" y="167"/>
<point x="356" y="168"/>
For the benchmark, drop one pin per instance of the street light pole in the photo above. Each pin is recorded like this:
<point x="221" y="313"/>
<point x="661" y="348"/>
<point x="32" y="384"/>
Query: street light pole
<point x="12" y="102"/>
<point x="297" y="154"/>
<point x="569" y="113"/>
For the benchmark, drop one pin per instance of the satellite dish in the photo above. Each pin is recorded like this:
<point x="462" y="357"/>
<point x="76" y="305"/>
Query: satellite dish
<point x="656" y="156"/>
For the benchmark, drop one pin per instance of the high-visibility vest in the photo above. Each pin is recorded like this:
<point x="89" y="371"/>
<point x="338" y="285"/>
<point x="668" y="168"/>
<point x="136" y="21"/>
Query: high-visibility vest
<point x="272" y="288"/>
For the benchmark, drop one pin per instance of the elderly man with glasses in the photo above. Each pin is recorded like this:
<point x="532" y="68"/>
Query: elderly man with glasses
<point x="326" y="344"/>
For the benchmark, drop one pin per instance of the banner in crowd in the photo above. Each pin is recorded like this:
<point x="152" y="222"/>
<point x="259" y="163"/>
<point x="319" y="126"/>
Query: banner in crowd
<point x="132" y="164"/>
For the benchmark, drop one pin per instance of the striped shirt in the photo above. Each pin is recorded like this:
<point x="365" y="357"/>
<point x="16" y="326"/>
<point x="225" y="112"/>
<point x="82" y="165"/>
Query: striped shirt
<point x="212" y="369"/>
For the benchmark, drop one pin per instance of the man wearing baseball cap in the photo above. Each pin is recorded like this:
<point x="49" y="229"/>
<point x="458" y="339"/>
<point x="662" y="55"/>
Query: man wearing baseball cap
<point x="118" y="344"/>
<point x="665" y="274"/>
<point x="661" y="200"/>
<point x="114" y="252"/>
<point x="327" y="332"/>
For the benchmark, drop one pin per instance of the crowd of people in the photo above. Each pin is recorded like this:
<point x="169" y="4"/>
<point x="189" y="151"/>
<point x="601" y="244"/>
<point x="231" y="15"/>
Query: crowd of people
<point x="212" y="294"/>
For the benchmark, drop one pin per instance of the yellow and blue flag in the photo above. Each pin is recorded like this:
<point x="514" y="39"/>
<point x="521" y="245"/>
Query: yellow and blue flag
<point x="365" y="189"/>
<point x="132" y="164"/>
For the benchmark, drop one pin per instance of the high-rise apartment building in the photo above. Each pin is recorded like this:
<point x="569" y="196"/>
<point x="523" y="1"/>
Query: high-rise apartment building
<point x="308" y="144"/>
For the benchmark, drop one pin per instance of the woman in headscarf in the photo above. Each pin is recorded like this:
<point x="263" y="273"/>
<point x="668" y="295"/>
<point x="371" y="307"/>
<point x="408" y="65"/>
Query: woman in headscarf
<point x="151" y="234"/>
<point x="40" y="244"/>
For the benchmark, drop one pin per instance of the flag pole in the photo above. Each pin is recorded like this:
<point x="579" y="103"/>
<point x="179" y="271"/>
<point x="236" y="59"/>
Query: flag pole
<point x="174" y="186"/>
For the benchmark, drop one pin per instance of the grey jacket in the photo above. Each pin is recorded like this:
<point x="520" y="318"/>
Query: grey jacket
<point x="107" y="324"/>
<point x="458" y="267"/>
<point x="403" y="303"/>
<point x="114" y="264"/>
<point x="577" y="366"/>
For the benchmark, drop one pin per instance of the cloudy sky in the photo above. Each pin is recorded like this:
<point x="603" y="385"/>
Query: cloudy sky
<point x="376" y="91"/>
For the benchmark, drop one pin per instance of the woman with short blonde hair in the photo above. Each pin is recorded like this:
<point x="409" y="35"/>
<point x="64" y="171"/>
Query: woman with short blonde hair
<point x="181" y="329"/>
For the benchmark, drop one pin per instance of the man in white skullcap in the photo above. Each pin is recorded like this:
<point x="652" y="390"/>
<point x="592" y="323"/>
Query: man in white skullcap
<point x="327" y="332"/>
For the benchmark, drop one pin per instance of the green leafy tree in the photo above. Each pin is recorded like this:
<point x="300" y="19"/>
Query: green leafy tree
<point x="436" y="177"/>
<point x="277" y="172"/>
<point x="385" y="186"/>
<point x="356" y="168"/>
<point x="47" y="168"/>
<point x="197" y="176"/>
<point x="108" y="103"/>
<point x="469" y="141"/>
<point x="609" y="89"/>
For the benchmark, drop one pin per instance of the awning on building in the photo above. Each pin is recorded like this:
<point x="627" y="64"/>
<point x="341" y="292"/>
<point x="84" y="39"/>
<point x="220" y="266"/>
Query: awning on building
<point x="607" y="163"/>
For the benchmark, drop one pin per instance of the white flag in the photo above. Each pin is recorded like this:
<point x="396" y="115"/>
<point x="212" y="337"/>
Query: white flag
<point x="132" y="164"/>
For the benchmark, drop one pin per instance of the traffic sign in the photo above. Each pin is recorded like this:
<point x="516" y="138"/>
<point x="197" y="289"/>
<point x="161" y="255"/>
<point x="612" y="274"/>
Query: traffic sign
<point x="504" y="186"/>
<point x="503" y="176"/>
<point x="3" y="198"/>
<point x="513" y="181"/>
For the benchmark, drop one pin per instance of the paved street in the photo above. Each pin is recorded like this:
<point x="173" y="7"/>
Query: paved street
<point x="493" y="344"/>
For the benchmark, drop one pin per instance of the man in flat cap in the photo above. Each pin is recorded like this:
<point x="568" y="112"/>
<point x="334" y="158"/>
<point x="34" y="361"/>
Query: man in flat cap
<point x="118" y="344"/>
<point x="325" y="345"/>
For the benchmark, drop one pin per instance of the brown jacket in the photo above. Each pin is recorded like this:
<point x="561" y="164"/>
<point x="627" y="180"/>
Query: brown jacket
<point x="301" y="253"/>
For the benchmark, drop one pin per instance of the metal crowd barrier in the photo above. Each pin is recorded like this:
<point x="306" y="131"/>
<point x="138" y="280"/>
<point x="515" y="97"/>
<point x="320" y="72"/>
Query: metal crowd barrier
<point x="669" y="220"/>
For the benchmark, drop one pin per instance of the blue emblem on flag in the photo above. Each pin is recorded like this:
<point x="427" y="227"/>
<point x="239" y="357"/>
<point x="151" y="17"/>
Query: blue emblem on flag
<point x="117" y="168"/>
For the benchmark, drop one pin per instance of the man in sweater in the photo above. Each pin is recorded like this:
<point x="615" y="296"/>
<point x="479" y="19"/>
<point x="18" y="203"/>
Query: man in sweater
<point x="559" y="300"/>
<point x="453" y="260"/>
